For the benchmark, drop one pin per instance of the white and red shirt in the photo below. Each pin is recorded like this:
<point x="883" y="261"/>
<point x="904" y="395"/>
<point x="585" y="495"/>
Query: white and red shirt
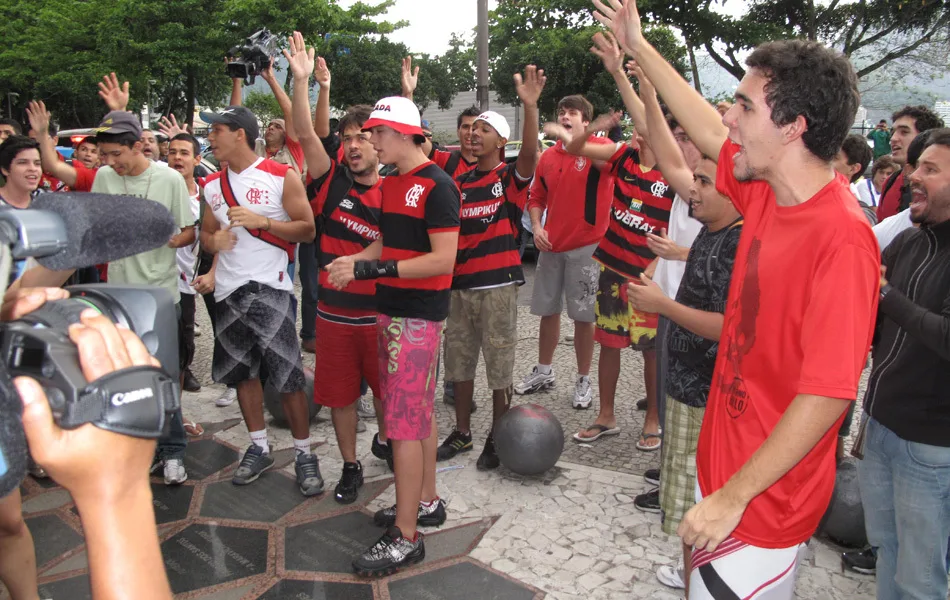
<point x="260" y="188"/>
<point x="187" y="256"/>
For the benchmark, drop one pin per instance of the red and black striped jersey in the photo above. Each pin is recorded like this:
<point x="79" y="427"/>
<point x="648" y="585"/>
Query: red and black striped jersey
<point x="416" y="204"/>
<point x="641" y="204"/>
<point x="348" y="214"/>
<point x="492" y="203"/>
<point x="452" y="162"/>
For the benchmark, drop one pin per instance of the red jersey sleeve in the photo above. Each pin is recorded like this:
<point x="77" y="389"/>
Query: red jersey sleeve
<point x="538" y="193"/>
<point x="84" y="177"/>
<point x="839" y="322"/>
<point x="516" y="188"/>
<point x="440" y="157"/>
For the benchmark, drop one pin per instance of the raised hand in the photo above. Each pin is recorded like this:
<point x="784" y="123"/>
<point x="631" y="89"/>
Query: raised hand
<point x="604" y="122"/>
<point x="606" y="47"/>
<point x="530" y="85"/>
<point x="299" y="57"/>
<point x="321" y="72"/>
<point x="646" y="86"/>
<point x="39" y="117"/>
<point x="557" y="131"/>
<point x="169" y="127"/>
<point x="622" y="18"/>
<point x="268" y="73"/>
<point x="409" y="77"/>
<point x="115" y="97"/>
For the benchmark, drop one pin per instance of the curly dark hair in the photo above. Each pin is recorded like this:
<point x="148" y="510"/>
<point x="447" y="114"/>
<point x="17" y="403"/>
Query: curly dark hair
<point x="355" y="116"/>
<point x="12" y="146"/>
<point x="856" y="148"/>
<point x="808" y="79"/>
<point x="923" y="117"/>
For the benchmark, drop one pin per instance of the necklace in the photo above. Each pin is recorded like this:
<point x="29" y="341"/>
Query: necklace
<point x="148" y="185"/>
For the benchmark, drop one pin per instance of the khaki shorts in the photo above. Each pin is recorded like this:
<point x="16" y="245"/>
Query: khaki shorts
<point x="485" y="320"/>
<point x="678" y="463"/>
<point x="570" y="275"/>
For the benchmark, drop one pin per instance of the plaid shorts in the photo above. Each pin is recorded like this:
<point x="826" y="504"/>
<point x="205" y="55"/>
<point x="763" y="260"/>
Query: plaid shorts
<point x="678" y="463"/>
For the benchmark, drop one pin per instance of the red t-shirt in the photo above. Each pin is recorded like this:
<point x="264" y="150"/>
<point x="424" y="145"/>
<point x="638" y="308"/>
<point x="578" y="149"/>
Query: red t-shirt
<point x="84" y="177"/>
<point x="295" y="149"/>
<point x="799" y="320"/>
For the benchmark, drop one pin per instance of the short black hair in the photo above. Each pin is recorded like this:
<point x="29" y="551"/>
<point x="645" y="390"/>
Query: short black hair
<point x="355" y="116"/>
<point x="923" y="117"/>
<point x="916" y="147"/>
<point x="187" y="137"/>
<point x="808" y="79"/>
<point x="939" y="137"/>
<point x="127" y="139"/>
<point x="13" y="123"/>
<point x="89" y="139"/>
<point x="578" y="103"/>
<point x="882" y="121"/>
<point x="856" y="148"/>
<point x="471" y="111"/>
<point x="12" y="146"/>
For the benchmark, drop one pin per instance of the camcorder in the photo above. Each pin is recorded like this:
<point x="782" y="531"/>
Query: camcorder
<point x="135" y="401"/>
<point x="250" y="59"/>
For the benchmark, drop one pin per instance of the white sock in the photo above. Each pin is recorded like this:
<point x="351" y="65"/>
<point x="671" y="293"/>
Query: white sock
<point x="302" y="446"/>
<point x="259" y="438"/>
<point x="583" y="378"/>
<point x="544" y="369"/>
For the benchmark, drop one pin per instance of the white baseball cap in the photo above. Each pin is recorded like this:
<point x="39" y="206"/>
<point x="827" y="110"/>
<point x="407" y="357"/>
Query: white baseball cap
<point x="497" y="121"/>
<point x="399" y="113"/>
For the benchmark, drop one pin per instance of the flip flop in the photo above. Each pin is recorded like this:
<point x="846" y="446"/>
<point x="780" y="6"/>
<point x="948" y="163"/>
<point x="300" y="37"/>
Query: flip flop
<point x="602" y="430"/>
<point x="641" y="446"/>
<point x="193" y="429"/>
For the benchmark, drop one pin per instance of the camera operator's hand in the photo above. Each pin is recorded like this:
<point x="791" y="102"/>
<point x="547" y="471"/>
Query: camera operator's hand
<point x="268" y="73"/>
<point x="18" y="302"/>
<point x="115" y="97"/>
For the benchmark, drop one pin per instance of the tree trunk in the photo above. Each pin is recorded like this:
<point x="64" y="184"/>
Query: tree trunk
<point x="811" y="17"/>
<point x="191" y="91"/>
<point x="694" y="68"/>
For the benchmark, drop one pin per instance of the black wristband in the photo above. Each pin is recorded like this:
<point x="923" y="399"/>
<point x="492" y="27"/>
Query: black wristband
<point x="885" y="289"/>
<point x="374" y="269"/>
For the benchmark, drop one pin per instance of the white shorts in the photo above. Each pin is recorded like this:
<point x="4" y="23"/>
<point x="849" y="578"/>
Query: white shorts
<point x="738" y="570"/>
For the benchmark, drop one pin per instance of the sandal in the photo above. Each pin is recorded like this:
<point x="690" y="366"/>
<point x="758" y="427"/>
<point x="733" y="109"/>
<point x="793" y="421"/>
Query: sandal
<point x="602" y="430"/>
<point x="193" y="429"/>
<point x="644" y="447"/>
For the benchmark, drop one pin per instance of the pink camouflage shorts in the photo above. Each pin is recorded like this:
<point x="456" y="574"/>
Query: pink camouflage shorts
<point x="408" y="356"/>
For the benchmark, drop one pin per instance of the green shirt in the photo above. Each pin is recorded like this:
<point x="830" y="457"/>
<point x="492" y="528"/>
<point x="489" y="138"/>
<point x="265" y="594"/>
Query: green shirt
<point x="167" y="187"/>
<point x="882" y="142"/>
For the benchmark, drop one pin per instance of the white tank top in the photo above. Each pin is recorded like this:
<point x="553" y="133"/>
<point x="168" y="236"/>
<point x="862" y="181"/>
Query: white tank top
<point x="187" y="256"/>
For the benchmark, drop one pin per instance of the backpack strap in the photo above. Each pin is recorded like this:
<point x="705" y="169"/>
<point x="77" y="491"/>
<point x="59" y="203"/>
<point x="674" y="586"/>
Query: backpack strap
<point x="889" y="184"/>
<point x="264" y="236"/>
<point x="453" y="163"/>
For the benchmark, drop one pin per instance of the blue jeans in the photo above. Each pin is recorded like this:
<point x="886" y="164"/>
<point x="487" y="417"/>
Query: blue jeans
<point x="905" y="489"/>
<point x="309" y="271"/>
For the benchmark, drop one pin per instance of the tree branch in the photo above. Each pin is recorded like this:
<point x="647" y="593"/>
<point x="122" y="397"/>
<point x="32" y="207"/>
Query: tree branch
<point x="895" y="54"/>
<point x="733" y="68"/>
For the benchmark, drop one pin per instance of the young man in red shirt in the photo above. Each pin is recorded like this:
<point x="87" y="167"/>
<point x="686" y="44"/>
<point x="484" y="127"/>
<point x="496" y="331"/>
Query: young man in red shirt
<point x="800" y="313"/>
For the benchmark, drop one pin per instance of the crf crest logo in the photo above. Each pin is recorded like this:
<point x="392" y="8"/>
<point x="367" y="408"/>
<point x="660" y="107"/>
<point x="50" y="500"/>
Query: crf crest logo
<point x="580" y="163"/>
<point x="497" y="190"/>
<point x="255" y="196"/>
<point x="217" y="201"/>
<point x="413" y="195"/>
<point x="347" y="204"/>
<point x="658" y="189"/>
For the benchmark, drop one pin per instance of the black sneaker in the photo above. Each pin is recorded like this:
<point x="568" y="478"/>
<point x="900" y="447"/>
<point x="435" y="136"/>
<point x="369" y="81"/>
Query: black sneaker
<point x="430" y="515"/>
<point x="391" y="553"/>
<point x="861" y="561"/>
<point x="642" y="404"/>
<point x="488" y="459"/>
<point x="350" y="483"/>
<point x="252" y="465"/>
<point x="190" y="382"/>
<point x="649" y="502"/>
<point x="652" y="476"/>
<point x="383" y="451"/>
<point x="309" y="479"/>
<point x="454" y="444"/>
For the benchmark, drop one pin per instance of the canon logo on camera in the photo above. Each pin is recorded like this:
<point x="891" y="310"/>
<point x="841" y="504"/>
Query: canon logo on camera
<point x="129" y="397"/>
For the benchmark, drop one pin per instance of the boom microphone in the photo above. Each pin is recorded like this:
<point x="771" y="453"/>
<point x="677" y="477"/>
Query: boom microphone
<point x="101" y="228"/>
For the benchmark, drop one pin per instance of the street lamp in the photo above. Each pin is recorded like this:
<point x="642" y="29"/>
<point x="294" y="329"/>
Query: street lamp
<point x="481" y="92"/>
<point x="11" y="96"/>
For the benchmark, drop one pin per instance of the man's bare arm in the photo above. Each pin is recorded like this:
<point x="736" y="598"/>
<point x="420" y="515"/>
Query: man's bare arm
<point x="302" y="63"/>
<point x="39" y="122"/>
<point x="283" y="100"/>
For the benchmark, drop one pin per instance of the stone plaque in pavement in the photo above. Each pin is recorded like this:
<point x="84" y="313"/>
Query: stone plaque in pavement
<point x="171" y="502"/>
<point x="290" y="589"/>
<point x="52" y="537"/>
<point x="329" y="545"/>
<point x="74" y="588"/>
<point x="207" y="457"/>
<point x="458" y="582"/>
<point x="266" y="500"/>
<point x="204" y="555"/>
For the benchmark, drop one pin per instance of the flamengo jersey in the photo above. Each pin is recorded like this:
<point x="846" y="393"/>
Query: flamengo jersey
<point x="492" y="203"/>
<point x="351" y="213"/>
<point x="415" y="204"/>
<point x="641" y="204"/>
<point x="260" y="187"/>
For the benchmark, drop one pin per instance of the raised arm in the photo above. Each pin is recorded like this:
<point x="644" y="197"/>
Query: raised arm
<point x="286" y="107"/>
<point x="580" y="145"/>
<point x="529" y="89"/>
<point x="116" y="97"/>
<point x="668" y="155"/>
<point x="39" y="121"/>
<point x="321" y="116"/>
<point x="606" y="47"/>
<point x="700" y="120"/>
<point x="301" y="61"/>
<point x="409" y="79"/>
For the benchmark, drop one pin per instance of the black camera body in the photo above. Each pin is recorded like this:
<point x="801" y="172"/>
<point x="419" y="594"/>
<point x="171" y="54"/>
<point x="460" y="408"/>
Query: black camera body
<point x="251" y="58"/>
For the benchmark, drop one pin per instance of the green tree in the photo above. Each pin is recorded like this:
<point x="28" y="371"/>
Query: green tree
<point x="263" y="104"/>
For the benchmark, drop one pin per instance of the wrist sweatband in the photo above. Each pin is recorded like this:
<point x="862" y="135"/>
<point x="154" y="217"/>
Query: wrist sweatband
<point x="374" y="269"/>
<point x="885" y="289"/>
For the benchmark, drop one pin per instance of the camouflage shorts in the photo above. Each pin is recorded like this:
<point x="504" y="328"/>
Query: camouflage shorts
<point x="485" y="320"/>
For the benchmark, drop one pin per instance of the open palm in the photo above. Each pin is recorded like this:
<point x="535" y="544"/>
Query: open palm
<point x="530" y="85"/>
<point x="623" y="20"/>
<point x="299" y="57"/>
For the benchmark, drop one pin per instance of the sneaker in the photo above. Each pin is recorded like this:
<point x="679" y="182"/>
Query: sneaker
<point x="383" y="451"/>
<point x="642" y="404"/>
<point x="197" y="330"/>
<point x="351" y="481"/>
<point x="174" y="470"/>
<point x="190" y="382"/>
<point x="309" y="479"/>
<point x="430" y="515"/>
<point x="227" y="398"/>
<point x="252" y="465"/>
<point x="652" y="476"/>
<point x="648" y="502"/>
<point x="488" y="459"/>
<point x="861" y="561"/>
<point x="391" y="553"/>
<point x="365" y="408"/>
<point x="535" y="382"/>
<point x="448" y="397"/>
<point x="583" y="395"/>
<point x="671" y="576"/>
<point x="454" y="444"/>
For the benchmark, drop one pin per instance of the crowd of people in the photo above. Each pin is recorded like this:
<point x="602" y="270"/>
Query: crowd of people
<point x="744" y="227"/>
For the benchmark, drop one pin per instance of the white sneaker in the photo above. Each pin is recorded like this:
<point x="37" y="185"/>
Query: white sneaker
<point x="365" y="408"/>
<point x="583" y="396"/>
<point x="535" y="382"/>
<point x="175" y="471"/>
<point x="671" y="576"/>
<point x="227" y="398"/>
<point x="360" y="426"/>
<point x="197" y="330"/>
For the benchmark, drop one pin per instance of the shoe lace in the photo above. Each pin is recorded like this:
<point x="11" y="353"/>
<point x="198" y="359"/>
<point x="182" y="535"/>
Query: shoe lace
<point x="581" y="386"/>
<point x="457" y="439"/>
<point x="309" y="467"/>
<point x="251" y="456"/>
